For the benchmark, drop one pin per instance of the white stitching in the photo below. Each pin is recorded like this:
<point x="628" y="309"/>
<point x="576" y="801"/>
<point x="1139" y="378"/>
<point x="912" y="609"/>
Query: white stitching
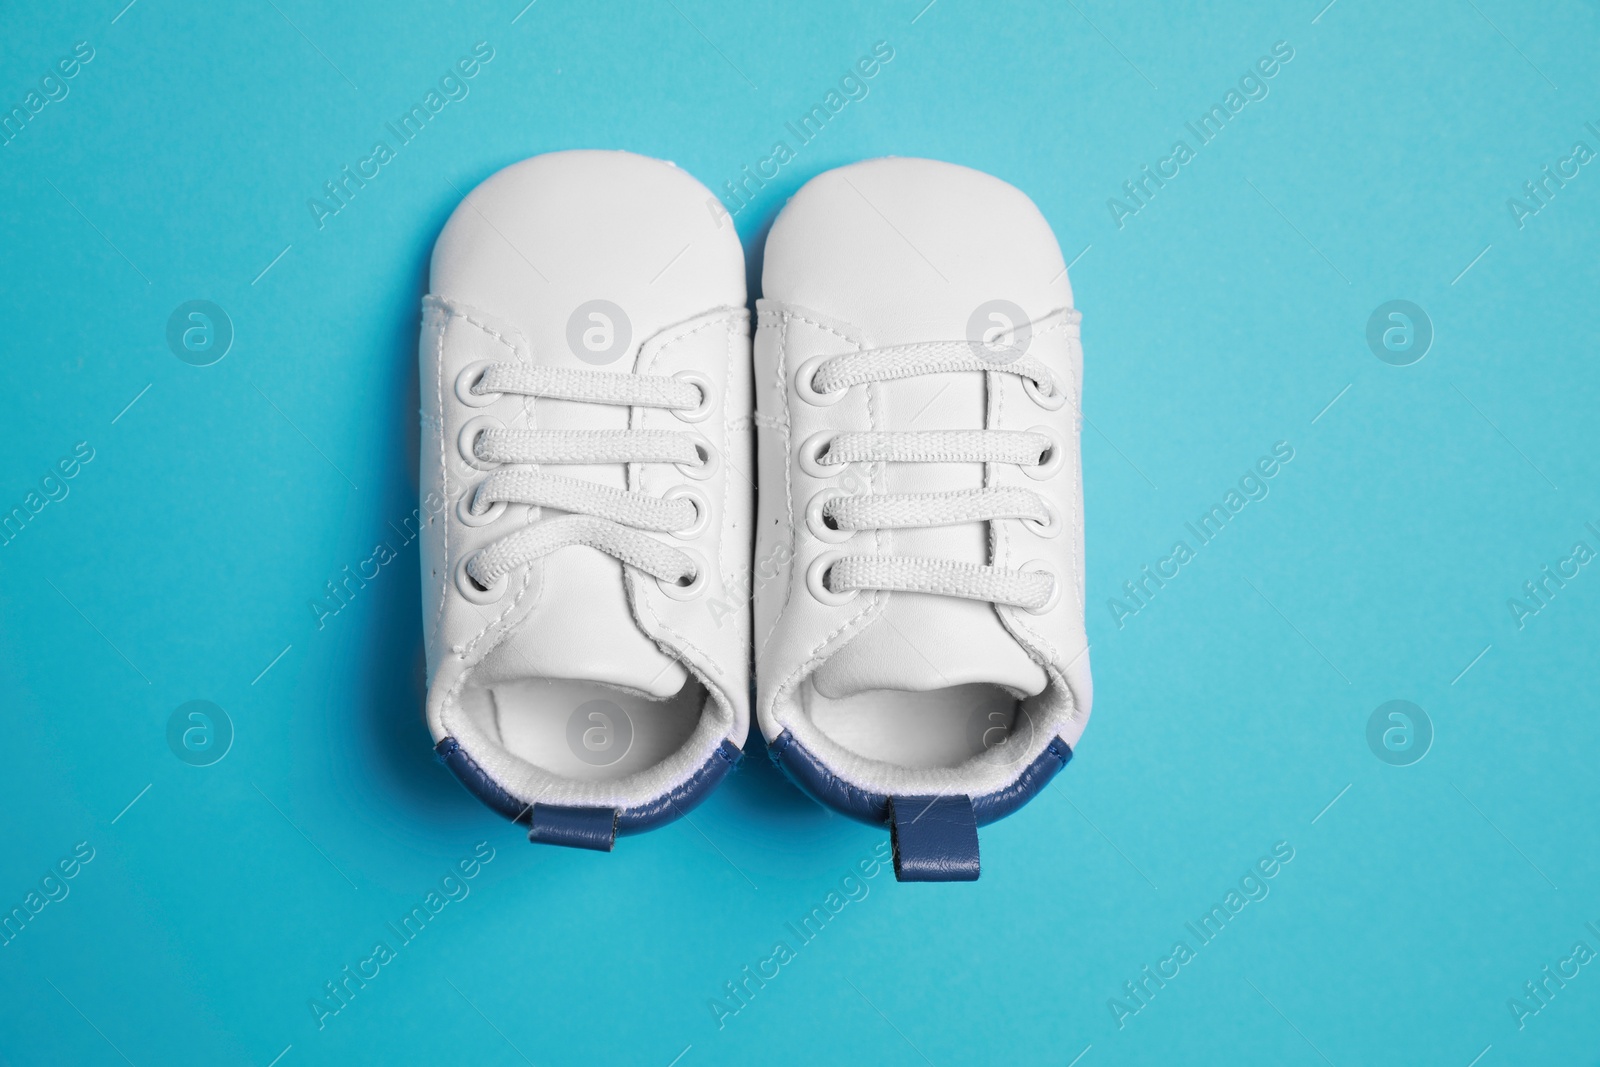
<point x="444" y="471"/>
<point x="518" y="349"/>
<point x="870" y="611"/>
<point x="788" y="480"/>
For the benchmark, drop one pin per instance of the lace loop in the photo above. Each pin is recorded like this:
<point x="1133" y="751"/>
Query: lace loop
<point x="1021" y="448"/>
<point x="942" y="577"/>
<point x="639" y="510"/>
<point x="932" y="357"/>
<point x="891" y="511"/>
<point x="499" y="559"/>
<point x="589" y="386"/>
<point x="586" y="446"/>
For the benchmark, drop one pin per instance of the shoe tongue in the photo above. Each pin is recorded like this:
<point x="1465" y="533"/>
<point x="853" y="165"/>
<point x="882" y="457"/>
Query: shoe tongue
<point x="581" y="628"/>
<point x="923" y="642"/>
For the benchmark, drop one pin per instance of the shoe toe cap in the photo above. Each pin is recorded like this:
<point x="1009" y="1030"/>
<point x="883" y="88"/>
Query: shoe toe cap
<point x="908" y="249"/>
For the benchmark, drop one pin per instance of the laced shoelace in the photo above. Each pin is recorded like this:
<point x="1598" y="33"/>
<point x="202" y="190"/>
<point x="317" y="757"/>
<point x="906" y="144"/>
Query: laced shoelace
<point x="1036" y="451"/>
<point x="610" y="520"/>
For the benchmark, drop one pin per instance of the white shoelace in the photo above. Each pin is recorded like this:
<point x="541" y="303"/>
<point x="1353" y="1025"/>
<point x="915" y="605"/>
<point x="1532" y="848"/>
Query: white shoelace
<point x="1031" y="590"/>
<point x="606" y="519"/>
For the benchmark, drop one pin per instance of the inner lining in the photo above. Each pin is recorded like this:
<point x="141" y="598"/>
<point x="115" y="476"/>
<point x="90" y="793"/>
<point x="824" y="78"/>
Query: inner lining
<point x="583" y="731"/>
<point x="940" y="728"/>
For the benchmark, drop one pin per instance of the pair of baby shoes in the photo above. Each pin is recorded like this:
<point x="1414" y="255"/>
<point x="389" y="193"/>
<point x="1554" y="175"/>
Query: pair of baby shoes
<point x="870" y="525"/>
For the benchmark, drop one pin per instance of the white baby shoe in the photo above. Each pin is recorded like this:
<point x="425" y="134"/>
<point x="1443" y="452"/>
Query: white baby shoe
<point x="585" y="371"/>
<point x="921" y="658"/>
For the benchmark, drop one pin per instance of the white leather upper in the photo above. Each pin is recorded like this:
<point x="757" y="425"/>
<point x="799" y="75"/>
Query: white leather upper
<point x="890" y="252"/>
<point x="512" y="272"/>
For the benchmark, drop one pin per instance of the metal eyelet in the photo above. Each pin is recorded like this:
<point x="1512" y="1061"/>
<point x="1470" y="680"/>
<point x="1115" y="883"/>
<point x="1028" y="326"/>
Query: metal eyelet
<point x="1051" y="526"/>
<point x="710" y="460"/>
<point x="1054" y="457"/>
<point x="465" y="514"/>
<point x="469" y="376"/>
<point x="817" y="581"/>
<point x="475" y="593"/>
<point x="702" y="383"/>
<point x="467" y="440"/>
<point x="1043" y="567"/>
<point x="695" y="586"/>
<point x="702" y="511"/>
<point x="816" y="521"/>
<point x="1052" y="401"/>
<point x="805" y="386"/>
<point x="811" y="453"/>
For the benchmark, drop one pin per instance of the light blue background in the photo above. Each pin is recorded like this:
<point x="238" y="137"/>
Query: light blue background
<point x="1224" y="317"/>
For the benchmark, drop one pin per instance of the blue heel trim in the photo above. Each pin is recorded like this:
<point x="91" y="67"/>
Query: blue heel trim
<point x="478" y="783"/>
<point x="683" y="798"/>
<point x="808" y="772"/>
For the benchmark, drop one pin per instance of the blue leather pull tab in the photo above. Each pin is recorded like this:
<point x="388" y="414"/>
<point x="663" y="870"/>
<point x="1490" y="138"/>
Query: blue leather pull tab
<point x="593" y="828"/>
<point x="935" y="839"/>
